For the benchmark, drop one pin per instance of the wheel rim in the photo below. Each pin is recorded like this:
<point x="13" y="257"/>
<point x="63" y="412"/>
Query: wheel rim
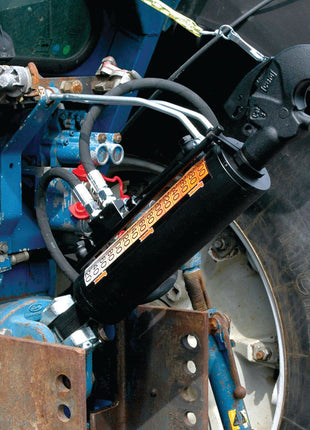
<point x="277" y="320"/>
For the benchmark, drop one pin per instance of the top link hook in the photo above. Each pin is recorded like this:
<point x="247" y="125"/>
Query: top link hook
<point x="228" y="33"/>
<point x="225" y="31"/>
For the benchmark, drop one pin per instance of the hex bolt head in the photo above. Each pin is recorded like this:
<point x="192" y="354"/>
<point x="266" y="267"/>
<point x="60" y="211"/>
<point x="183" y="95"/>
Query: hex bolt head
<point x="117" y="138"/>
<point x="261" y="353"/>
<point x="220" y="244"/>
<point x="4" y="248"/>
<point x="213" y="326"/>
<point x="101" y="137"/>
<point x="74" y="86"/>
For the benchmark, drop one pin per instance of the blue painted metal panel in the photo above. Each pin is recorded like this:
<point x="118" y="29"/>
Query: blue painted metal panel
<point x="62" y="149"/>
<point x="26" y="279"/>
<point x="11" y="168"/>
<point x="131" y="51"/>
<point x="22" y="318"/>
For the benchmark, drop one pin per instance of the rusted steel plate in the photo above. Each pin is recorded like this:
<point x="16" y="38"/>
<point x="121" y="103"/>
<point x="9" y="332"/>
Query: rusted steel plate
<point x="42" y="386"/>
<point x="109" y="419"/>
<point x="166" y="375"/>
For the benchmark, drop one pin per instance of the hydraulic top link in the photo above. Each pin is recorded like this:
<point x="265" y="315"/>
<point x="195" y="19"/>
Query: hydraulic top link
<point x="272" y="102"/>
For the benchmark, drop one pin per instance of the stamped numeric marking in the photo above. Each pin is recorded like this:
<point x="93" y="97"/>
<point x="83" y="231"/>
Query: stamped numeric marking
<point x="190" y="183"/>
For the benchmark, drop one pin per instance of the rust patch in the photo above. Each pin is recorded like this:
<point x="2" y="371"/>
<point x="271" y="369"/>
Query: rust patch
<point x="16" y="309"/>
<point x="34" y="73"/>
<point x="117" y="137"/>
<point x="30" y="385"/>
<point x="166" y="372"/>
<point x="74" y="86"/>
<point x="102" y="137"/>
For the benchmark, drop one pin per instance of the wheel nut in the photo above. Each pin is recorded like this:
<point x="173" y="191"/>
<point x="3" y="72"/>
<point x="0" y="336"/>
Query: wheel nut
<point x="259" y="355"/>
<point x="262" y="354"/>
<point x="220" y="244"/>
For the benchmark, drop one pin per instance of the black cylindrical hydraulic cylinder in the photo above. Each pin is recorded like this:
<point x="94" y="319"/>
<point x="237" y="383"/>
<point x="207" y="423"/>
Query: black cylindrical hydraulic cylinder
<point x="181" y="222"/>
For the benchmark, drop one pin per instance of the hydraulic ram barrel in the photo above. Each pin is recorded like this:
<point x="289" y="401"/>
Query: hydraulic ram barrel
<point x="209" y="196"/>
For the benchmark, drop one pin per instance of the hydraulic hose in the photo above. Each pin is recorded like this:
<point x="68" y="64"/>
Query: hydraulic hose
<point x="42" y="218"/>
<point x="135" y="85"/>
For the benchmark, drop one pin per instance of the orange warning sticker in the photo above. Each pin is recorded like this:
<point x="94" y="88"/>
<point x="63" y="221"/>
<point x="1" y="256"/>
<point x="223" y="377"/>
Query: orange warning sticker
<point x="190" y="183"/>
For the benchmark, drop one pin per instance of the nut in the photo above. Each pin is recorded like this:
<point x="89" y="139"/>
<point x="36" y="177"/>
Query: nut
<point x="4" y="248"/>
<point x="102" y="137"/>
<point x="117" y="137"/>
<point x="259" y="355"/>
<point x="213" y="325"/>
<point x="75" y="86"/>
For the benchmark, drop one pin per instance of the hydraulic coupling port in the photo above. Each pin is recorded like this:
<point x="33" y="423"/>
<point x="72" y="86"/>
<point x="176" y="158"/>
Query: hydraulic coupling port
<point x="86" y="199"/>
<point x="68" y="325"/>
<point x="107" y="200"/>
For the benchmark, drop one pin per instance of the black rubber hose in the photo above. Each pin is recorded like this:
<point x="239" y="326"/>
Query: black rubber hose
<point x="42" y="218"/>
<point x="135" y="85"/>
<point x="175" y="75"/>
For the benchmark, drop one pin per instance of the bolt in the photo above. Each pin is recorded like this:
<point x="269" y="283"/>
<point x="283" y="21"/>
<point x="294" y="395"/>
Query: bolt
<point x="110" y="59"/>
<point x="102" y="137"/>
<point x="117" y="137"/>
<point x="220" y="244"/>
<point x="75" y="86"/>
<point x="262" y="354"/>
<point x="259" y="355"/>
<point x="4" y="248"/>
<point x="213" y="325"/>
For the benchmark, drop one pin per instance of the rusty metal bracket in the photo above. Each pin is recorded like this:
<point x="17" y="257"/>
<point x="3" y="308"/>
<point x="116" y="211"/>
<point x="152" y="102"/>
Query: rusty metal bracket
<point x="162" y="360"/>
<point x="162" y="371"/>
<point x="42" y="386"/>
